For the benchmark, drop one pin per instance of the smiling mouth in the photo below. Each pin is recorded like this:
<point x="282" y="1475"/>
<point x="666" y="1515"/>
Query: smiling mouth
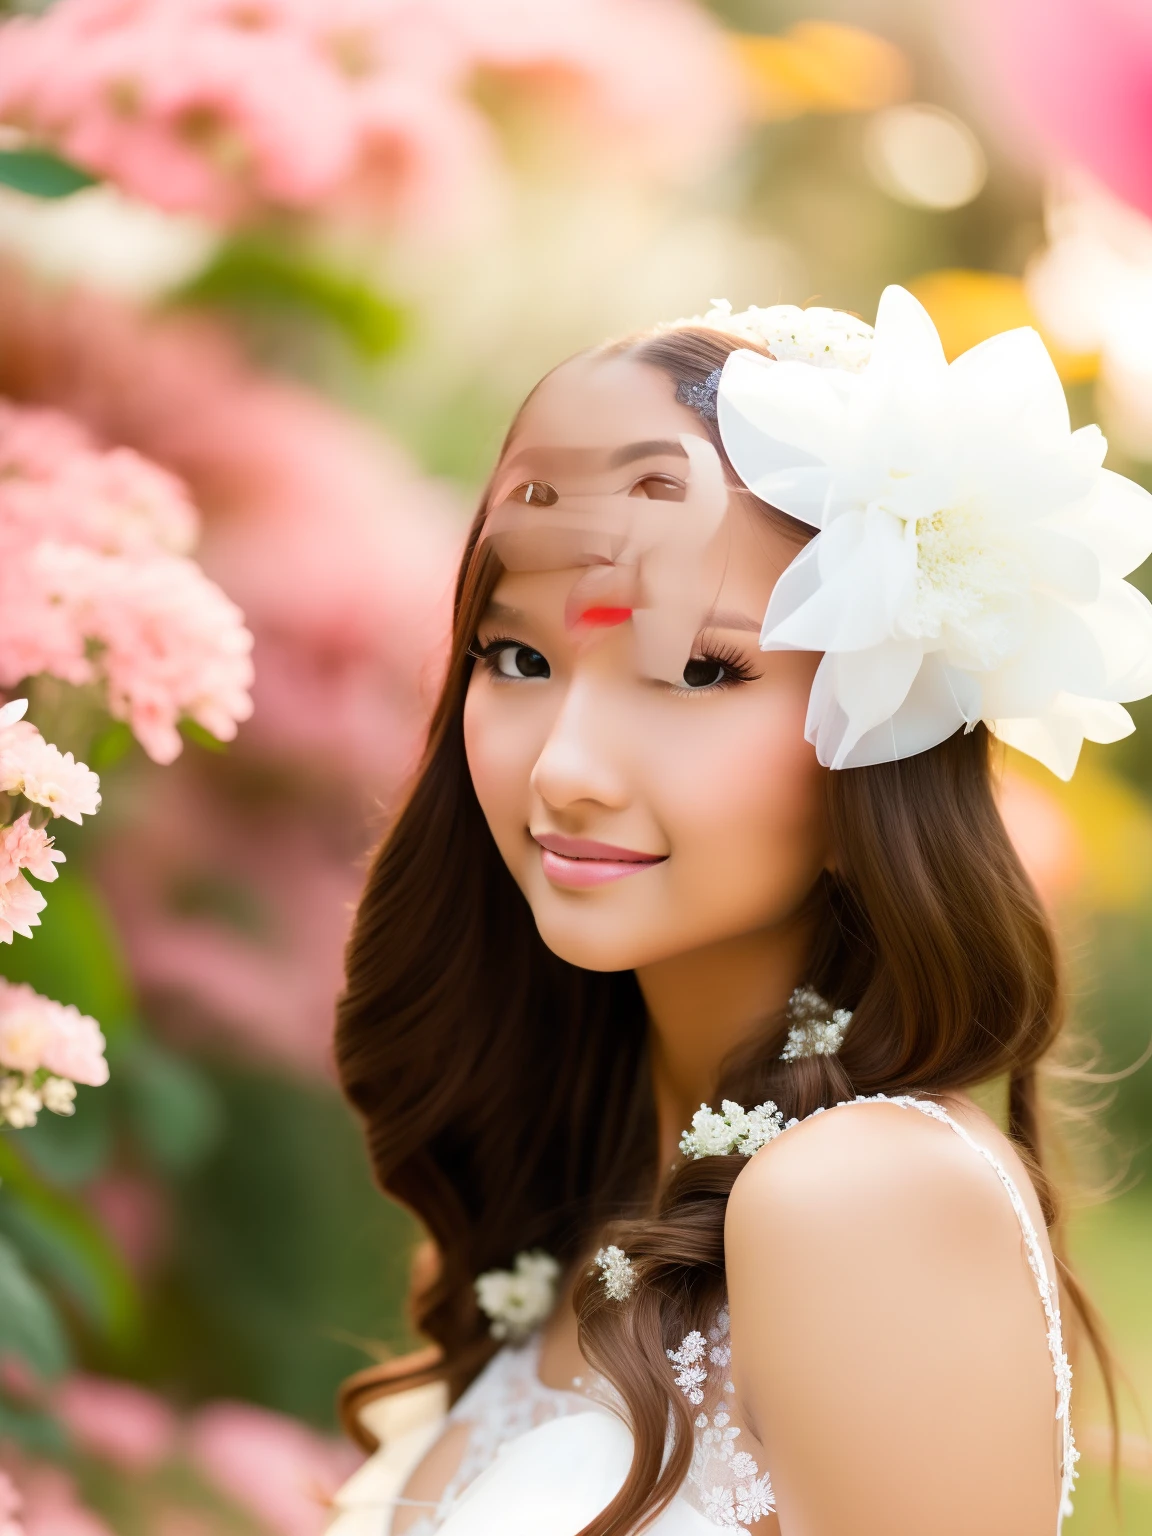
<point x="579" y="863"/>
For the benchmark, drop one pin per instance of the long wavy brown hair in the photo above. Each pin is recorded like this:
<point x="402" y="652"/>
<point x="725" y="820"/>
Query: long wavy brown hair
<point x="506" y="1095"/>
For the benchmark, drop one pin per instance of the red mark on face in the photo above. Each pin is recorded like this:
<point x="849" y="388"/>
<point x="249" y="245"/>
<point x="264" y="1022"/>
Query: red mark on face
<point x="605" y="618"/>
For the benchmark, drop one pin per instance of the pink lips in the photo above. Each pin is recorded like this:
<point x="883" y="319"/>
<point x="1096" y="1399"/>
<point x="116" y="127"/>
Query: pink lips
<point x="580" y="862"/>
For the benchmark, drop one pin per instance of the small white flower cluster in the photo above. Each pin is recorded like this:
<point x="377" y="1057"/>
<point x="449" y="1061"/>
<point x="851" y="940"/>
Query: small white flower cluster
<point x="734" y="1129"/>
<point x="616" y="1271"/>
<point x="517" y="1300"/>
<point x="829" y="338"/>
<point x="23" y="1096"/>
<point x="817" y="1028"/>
<point x="691" y="1372"/>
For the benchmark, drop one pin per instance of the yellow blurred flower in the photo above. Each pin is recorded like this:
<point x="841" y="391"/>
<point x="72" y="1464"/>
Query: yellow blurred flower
<point x="821" y="66"/>
<point x="1087" y="841"/>
<point x="968" y="307"/>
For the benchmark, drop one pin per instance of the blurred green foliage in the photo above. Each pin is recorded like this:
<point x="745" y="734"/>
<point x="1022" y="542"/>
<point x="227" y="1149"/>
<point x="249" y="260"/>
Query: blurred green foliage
<point x="39" y="173"/>
<point x="289" y="1267"/>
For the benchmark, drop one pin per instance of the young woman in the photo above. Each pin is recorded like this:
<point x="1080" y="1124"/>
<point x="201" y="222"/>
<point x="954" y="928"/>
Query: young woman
<point x="706" y="818"/>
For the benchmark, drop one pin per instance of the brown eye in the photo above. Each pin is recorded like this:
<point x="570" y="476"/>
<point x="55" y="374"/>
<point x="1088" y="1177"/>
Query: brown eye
<point x="703" y="673"/>
<point x="660" y="488"/>
<point x="535" y="493"/>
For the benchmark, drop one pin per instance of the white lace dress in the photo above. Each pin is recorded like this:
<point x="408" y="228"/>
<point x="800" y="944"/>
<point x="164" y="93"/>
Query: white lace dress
<point x="541" y="1462"/>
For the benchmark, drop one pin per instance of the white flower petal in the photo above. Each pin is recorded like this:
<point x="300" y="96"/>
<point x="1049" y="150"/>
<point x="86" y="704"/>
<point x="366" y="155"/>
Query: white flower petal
<point x="1064" y="565"/>
<point x="1118" y="524"/>
<point x="1121" y="623"/>
<point x="1051" y="739"/>
<point x="1010" y="384"/>
<point x="867" y="573"/>
<point x="869" y="687"/>
<point x="777" y="418"/>
<point x="940" y="701"/>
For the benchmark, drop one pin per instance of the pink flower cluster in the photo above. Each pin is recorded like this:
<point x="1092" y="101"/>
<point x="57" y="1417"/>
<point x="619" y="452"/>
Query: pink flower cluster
<point x="46" y="1048"/>
<point x="222" y="107"/>
<point x="274" y="1470"/>
<point x="10" y="1503"/>
<point x="32" y="767"/>
<point x="96" y="586"/>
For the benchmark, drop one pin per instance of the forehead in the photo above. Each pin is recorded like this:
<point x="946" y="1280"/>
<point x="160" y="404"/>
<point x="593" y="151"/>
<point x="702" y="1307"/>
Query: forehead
<point x="598" y="402"/>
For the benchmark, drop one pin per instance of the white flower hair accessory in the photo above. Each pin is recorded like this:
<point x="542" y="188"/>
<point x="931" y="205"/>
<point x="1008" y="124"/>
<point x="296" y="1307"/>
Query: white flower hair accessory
<point x="829" y="338"/>
<point x="817" y="1029"/>
<point x="734" y="1129"/>
<point x="971" y="549"/>
<point x="616" y="1272"/>
<point x="518" y="1300"/>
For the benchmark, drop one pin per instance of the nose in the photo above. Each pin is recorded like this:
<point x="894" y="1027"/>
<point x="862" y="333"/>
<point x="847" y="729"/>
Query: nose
<point x="580" y="763"/>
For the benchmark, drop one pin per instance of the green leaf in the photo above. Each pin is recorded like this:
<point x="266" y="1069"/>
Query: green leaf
<point x="113" y="744"/>
<point x="40" y="173"/>
<point x="71" y="1150"/>
<point x="66" y="1247"/>
<point x="34" y="1430"/>
<point x="74" y="956"/>
<point x="29" y="1327"/>
<point x="194" y="731"/>
<point x="256" y="272"/>
<point x="172" y="1107"/>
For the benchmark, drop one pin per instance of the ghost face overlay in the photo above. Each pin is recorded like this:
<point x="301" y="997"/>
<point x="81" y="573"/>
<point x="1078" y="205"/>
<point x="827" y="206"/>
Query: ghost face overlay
<point x="640" y="762"/>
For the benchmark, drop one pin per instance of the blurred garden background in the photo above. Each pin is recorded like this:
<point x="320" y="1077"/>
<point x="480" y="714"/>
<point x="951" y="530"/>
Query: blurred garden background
<point x="273" y="276"/>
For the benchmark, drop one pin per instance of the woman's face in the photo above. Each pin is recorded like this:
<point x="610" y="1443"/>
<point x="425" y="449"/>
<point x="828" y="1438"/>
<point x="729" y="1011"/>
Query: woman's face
<point x="642" y="816"/>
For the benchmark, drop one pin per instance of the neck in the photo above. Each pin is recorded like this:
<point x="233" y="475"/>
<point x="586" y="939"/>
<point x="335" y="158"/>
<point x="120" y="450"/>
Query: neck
<point x="703" y="1004"/>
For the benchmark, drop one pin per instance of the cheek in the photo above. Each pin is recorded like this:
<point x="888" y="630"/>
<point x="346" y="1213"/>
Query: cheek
<point x="502" y="746"/>
<point x="744" y="805"/>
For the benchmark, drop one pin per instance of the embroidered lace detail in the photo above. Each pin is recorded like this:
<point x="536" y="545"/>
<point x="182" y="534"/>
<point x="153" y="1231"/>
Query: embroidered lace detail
<point x="505" y="1401"/>
<point x="724" y="1483"/>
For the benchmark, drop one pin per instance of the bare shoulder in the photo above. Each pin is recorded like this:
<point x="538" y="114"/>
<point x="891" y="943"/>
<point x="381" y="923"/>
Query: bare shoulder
<point x="863" y="1167"/>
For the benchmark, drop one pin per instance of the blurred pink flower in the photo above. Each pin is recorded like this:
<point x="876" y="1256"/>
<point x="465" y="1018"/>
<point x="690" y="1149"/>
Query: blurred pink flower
<point x="1043" y="835"/>
<point x="66" y="1041"/>
<point x="1074" y="78"/>
<point x="170" y="644"/>
<point x="92" y="589"/>
<point x="23" y="846"/>
<point x="235" y="913"/>
<point x="51" y="1507"/>
<point x="120" y="1423"/>
<point x="56" y="485"/>
<point x="76" y="1047"/>
<point x="224" y="109"/>
<point x="134" y="1211"/>
<point x="24" y="1030"/>
<point x="232" y="880"/>
<point x="10" y="1502"/>
<point x="276" y="1468"/>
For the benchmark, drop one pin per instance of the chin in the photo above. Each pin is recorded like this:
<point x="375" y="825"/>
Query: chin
<point x="600" y="945"/>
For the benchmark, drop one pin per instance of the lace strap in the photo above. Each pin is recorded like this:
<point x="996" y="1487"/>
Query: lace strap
<point x="1045" y="1284"/>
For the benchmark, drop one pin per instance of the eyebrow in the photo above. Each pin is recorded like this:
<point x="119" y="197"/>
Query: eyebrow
<point x="633" y="451"/>
<point x="728" y="618"/>
<point x="503" y="611"/>
<point x="565" y="458"/>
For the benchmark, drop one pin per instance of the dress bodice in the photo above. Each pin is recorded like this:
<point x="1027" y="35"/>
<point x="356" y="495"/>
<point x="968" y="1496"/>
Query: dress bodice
<point x="536" y="1461"/>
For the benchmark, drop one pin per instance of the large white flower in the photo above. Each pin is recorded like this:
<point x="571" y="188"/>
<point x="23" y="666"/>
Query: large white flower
<point x="971" y="550"/>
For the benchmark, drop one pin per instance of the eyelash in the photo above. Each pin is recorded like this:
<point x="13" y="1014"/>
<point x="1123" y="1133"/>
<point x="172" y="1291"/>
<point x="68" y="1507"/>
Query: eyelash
<point x="490" y="650"/>
<point x="736" y="669"/>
